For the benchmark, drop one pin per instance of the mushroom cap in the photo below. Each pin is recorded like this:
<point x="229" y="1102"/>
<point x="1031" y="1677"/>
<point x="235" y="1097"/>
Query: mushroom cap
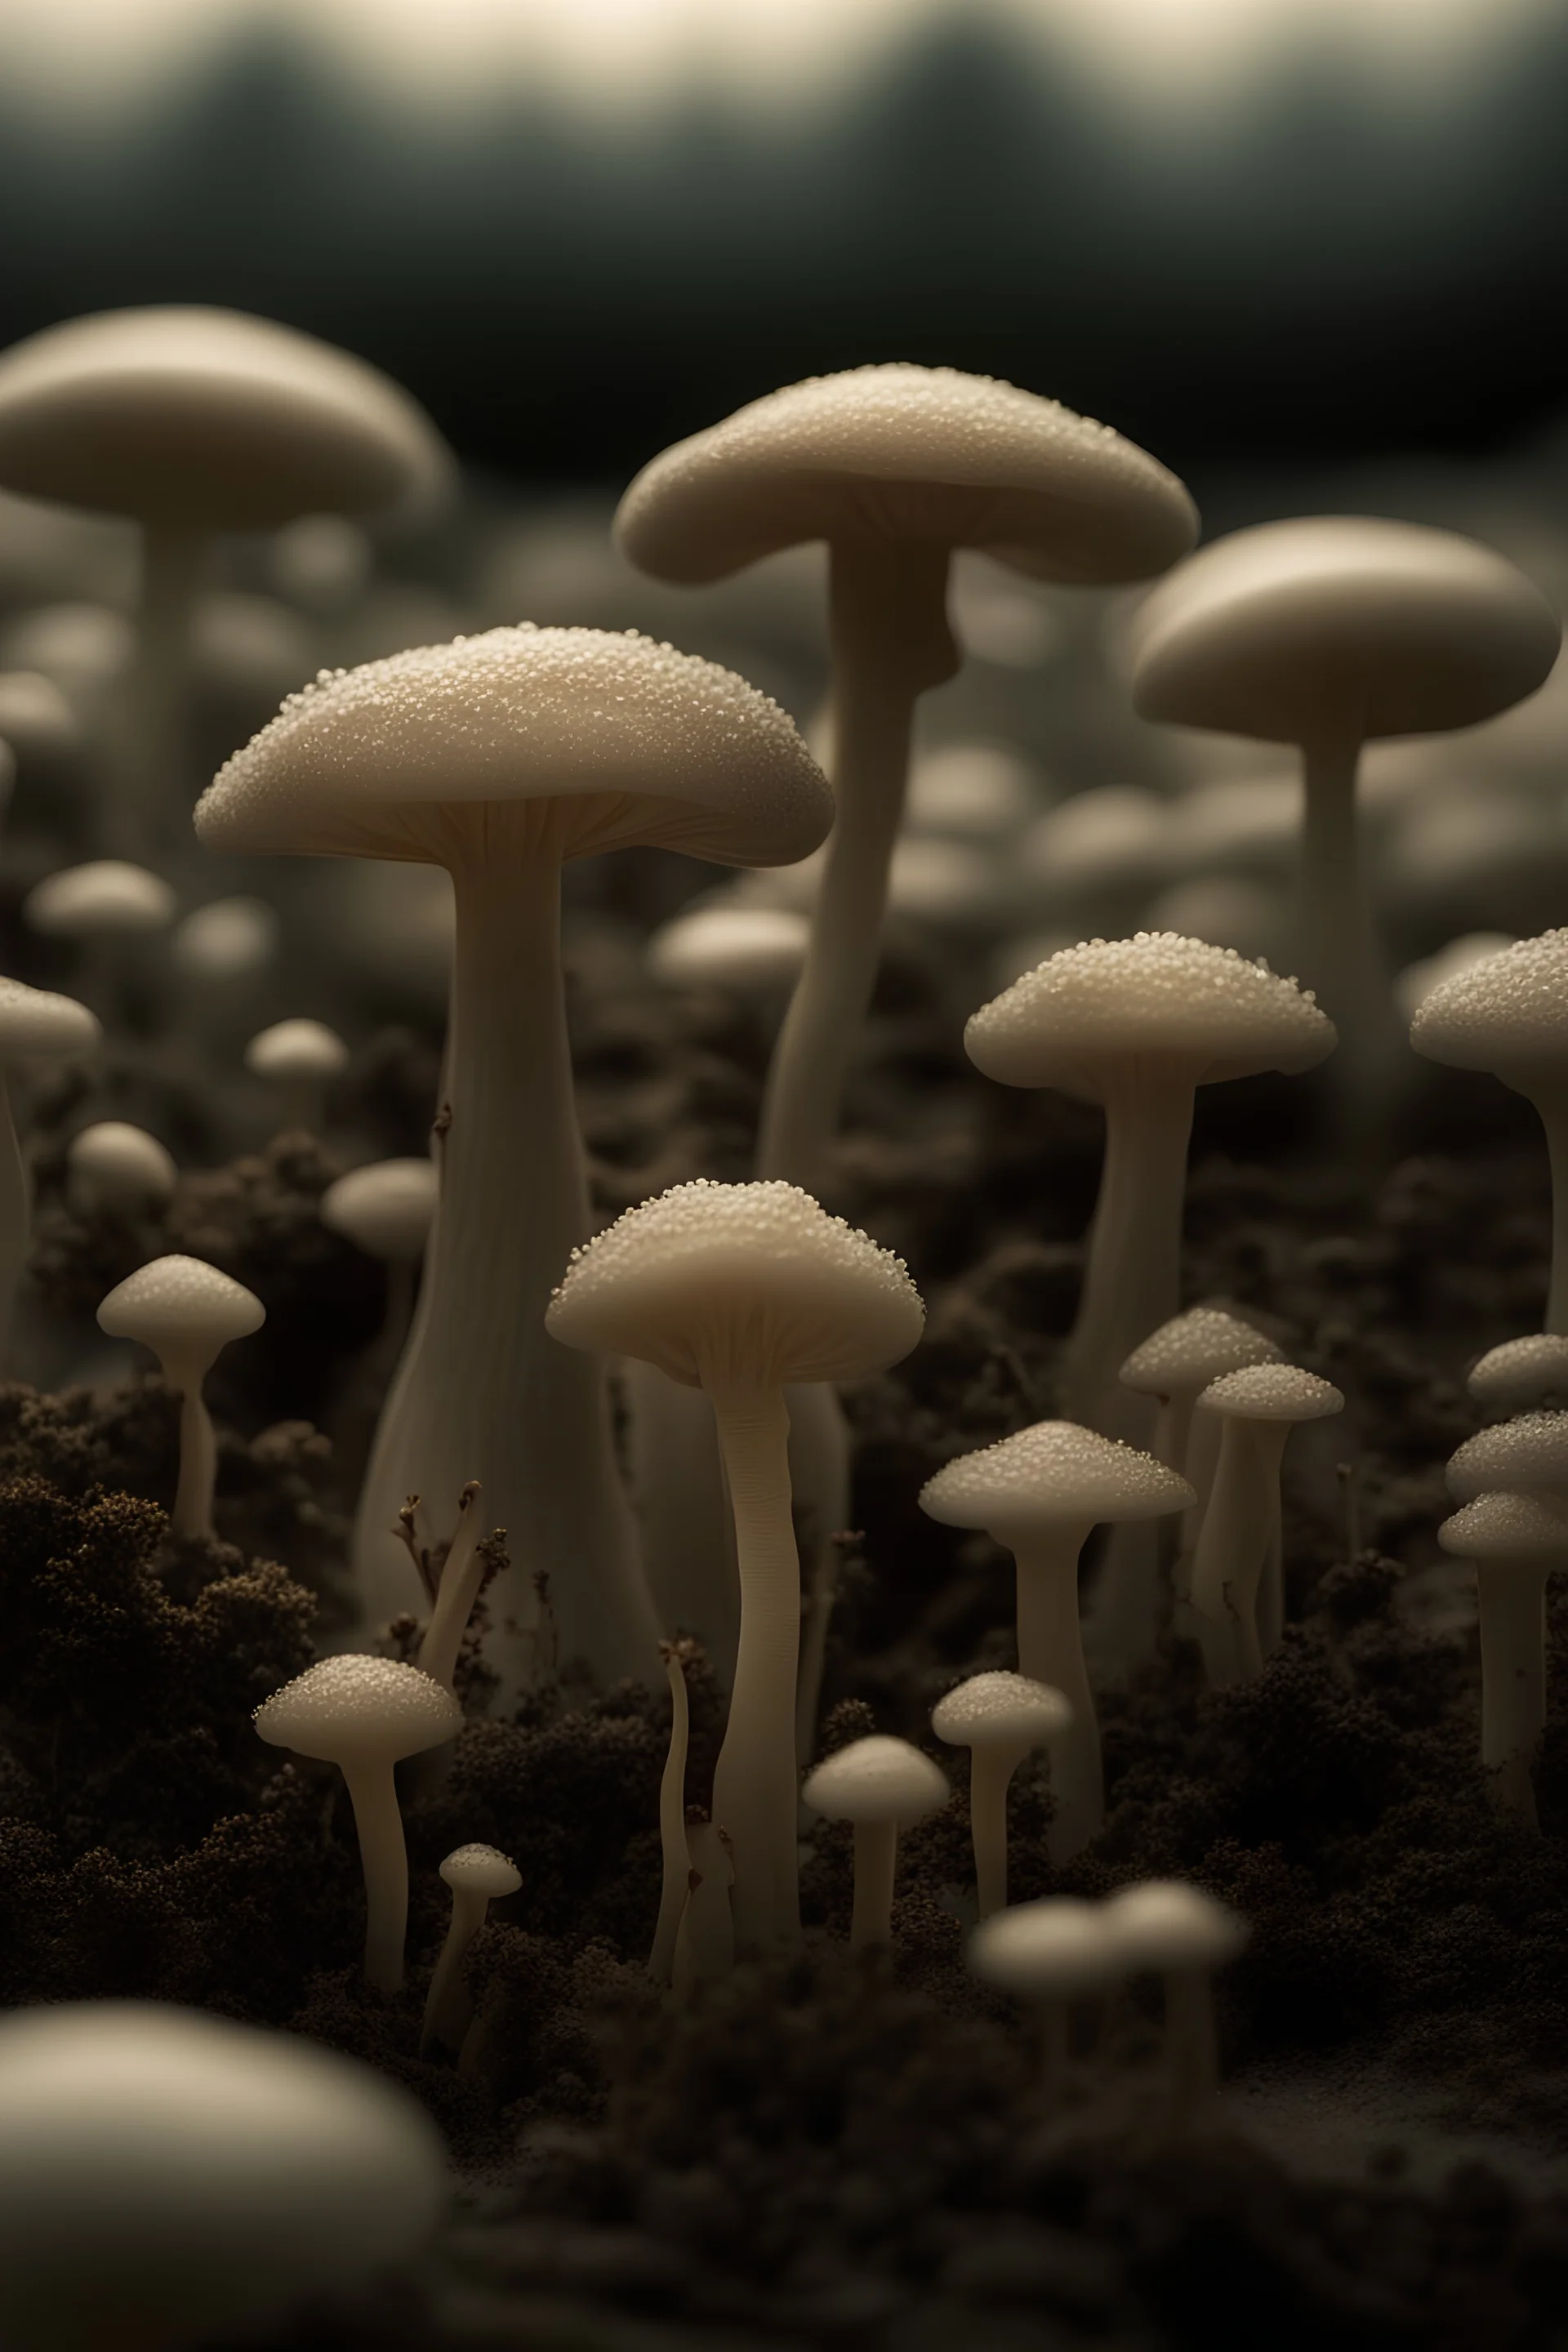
<point x="386" y="1208"/>
<point x="1521" y="1373"/>
<point x="225" y="939"/>
<point x="629" y="740"/>
<point x="739" y="948"/>
<point x="35" y="717"/>
<point x="1415" y="983"/>
<point x="297" y="1049"/>
<point x="167" y="2176"/>
<point x="1164" y="1923"/>
<point x="1330" y="622"/>
<point x="482" y="1870"/>
<point x="36" y="1024"/>
<point x="874" y="1781"/>
<point x="179" y="1306"/>
<point x="1155" y="995"/>
<point x="1271" y="1391"/>
<point x="120" y="1162"/>
<point x="1192" y="1349"/>
<point x="978" y="791"/>
<point x="901" y="452"/>
<point x="1046" y="1950"/>
<point x="208" y="420"/>
<point x="1509" y="1013"/>
<point x="1052" y="1475"/>
<point x="353" y="1709"/>
<point x="748" y="1281"/>
<point x="998" y="1710"/>
<point x="106" y="897"/>
<point x="1527" y="1455"/>
<point x="1502" y="1525"/>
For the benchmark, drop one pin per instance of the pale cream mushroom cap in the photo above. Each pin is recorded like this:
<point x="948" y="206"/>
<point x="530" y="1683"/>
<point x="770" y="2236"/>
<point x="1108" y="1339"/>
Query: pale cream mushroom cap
<point x="978" y="791"/>
<point x="354" y="1709"/>
<point x="1388" y="626"/>
<point x="120" y="1161"/>
<point x="297" y="1049"/>
<point x="874" y="1781"/>
<point x="1046" y="1950"/>
<point x="1521" y="1373"/>
<point x="36" y="718"/>
<point x="631" y="740"/>
<point x="38" y="1026"/>
<point x="210" y="420"/>
<point x="1271" y="1391"/>
<point x="902" y="452"/>
<point x="386" y="1209"/>
<point x="1528" y="1455"/>
<point x="1164" y="1923"/>
<point x="105" y="897"/>
<point x="1192" y="1349"/>
<point x="175" y="1304"/>
<point x="482" y="1870"/>
<point x="1507" y="1013"/>
<point x="1502" y="1525"/>
<point x="225" y="939"/>
<point x="1052" y="1475"/>
<point x="998" y="1710"/>
<point x="1156" y="996"/>
<point x="756" y="1280"/>
<point x="1415" y="983"/>
<point x="738" y="948"/>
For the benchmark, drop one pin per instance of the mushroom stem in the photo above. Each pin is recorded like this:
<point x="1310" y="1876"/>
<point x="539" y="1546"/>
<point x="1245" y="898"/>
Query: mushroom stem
<point x="1227" y="1566"/>
<point x="876" y="1853"/>
<point x="15" y="1212"/>
<point x="705" y="1946"/>
<point x="1133" y="1272"/>
<point x="676" y="1885"/>
<point x="1198" y="1469"/>
<point x="890" y="640"/>
<point x="1552" y="1102"/>
<point x="172" y="566"/>
<point x="462" y="1573"/>
<point x="1333" y="929"/>
<point x="1050" y="1650"/>
<point x="448" y="2006"/>
<point x="1192" y="2053"/>
<point x="991" y="1770"/>
<point x="383" y="1858"/>
<point x="193" y="1511"/>
<point x="1512" y="1595"/>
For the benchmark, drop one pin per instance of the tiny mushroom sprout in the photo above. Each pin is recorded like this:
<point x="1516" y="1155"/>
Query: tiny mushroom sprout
<point x="186" y="1312"/>
<point x="1137" y="1026"/>
<point x="738" y="1289"/>
<point x="999" y="1717"/>
<point x="498" y="757"/>
<point x="1517" y="1541"/>
<point x="1527" y="1455"/>
<point x="1522" y="1375"/>
<point x="114" y="1166"/>
<point x="894" y="467"/>
<point x="882" y="1786"/>
<point x="1326" y="632"/>
<point x="301" y="1058"/>
<point x="1039" y="1494"/>
<point x="1177" y="1930"/>
<point x="1049" y="1954"/>
<point x="168" y="2177"/>
<point x="477" y="1875"/>
<point x="755" y="951"/>
<point x="1259" y="1405"/>
<point x="34" y="1026"/>
<point x="366" y="1715"/>
<point x="1509" y="1014"/>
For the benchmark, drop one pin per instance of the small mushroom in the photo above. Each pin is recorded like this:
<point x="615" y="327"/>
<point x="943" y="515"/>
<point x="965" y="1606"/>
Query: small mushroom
<point x="186" y="1312"/>
<point x="387" y="1210"/>
<point x="882" y="1786"/>
<point x="1185" y="1935"/>
<point x="1516" y="1542"/>
<point x="227" y="939"/>
<point x="999" y="1717"/>
<point x="34" y="1026"/>
<point x="301" y="1058"/>
<point x="366" y="1715"/>
<point x="115" y="1166"/>
<point x="107" y="899"/>
<point x="754" y="953"/>
<point x="1050" y="1954"/>
<point x="1259" y="1405"/>
<point x="1522" y="1375"/>
<point x="478" y="1876"/>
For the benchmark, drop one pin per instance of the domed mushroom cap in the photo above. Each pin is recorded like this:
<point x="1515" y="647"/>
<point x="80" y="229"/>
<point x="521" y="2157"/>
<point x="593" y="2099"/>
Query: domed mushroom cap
<point x="900" y="452"/>
<point x="1192" y="1349"/>
<point x="38" y="1026"/>
<point x="1522" y="1373"/>
<point x="1157" y="993"/>
<point x="116" y="1162"/>
<point x="1164" y="1923"/>
<point x="978" y="791"/>
<point x="1528" y="1455"/>
<point x="1280" y="629"/>
<point x="1051" y="1474"/>
<point x="482" y="1870"/>
<point x="630" y="740"/>
<point x="95" y="901"/>
<point x="755" y="1279"/>
<point x="876" y="1780"/>
<point x="737" y="948"/>
<point x="1046" y="1950"/>
<point x="210" y="420"/>
<point x="1501" y="1525"/>
<point x="166" y="2176"/>
<point x="999" y="1710"/>
<point x="175" y="1304"/>
<point x="355" y="1710"/>
<point x="1273" y="1393"/>
<point x="386" y="1208"/>
<point x="297" y="1049"/>
<point x="1508" y="1012"/>
<point x="225" y="939"/>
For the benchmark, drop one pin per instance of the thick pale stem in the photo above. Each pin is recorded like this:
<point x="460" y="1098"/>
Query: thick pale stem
<point x="193" y="1511"/>
<point x="876" y="1855"/>
<point x="1227" y="1566"/>
<point x="448" y="2006"/>
<point x="1336" y="951"/>
<point x="16" y="1213"/>
<point x="705" y="1947"/>
<point x="151" y="786"/>
<point x="991" y="1771"/>
<point x="1050" y="1650"/>
<point x="1512" y="1600"/>
<point x="754" y="1784"/>
<point x="1192" y="2058"/>
<point x="890" y="641"/>
<point x="676" y="1881"/>
<point x="1133" y="1277"/>
<point x="1552" y="1102"/>
<point x="383" y="1858"/>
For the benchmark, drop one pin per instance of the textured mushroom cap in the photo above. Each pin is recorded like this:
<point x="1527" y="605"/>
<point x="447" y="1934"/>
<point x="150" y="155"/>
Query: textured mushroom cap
<point x="1272" y="1392"/>
<point x="1045" y="1950"/>
<point x="1501" y="1526"/>
<point x="739" y="1281"/>
<point x="386" y="1208"/>
<point x="1509" y="1013"/>
<point x="225" y="939"/>
<point x="482" y="1870"/>
<point x="876" y="1780"/>
<point x="1521" y="1373"/>
<point x="630" y="740"/>
<point x="997" y="1710"/>
<point x="167" y="2176"/>
<point x="208" y="419"/>
<point x="1528" y="1455"/>
<point x="354" y="1711"/>
<point x="177" y="1304"/>
<point x="35" y="1024"/>
<point x="1192" y="1349"/>
<point x="1166" y="1924"/>
<point x="1332" y="621"/>
<point x="116" y="1162"/>
<point x="1048" y="1475"/>
<point x="731" y="947"/>
<point x="1155" y="995"/>
<point x="901" y="452"/>
<point x="91" y="901"/>
<point x="297" y="1049"/>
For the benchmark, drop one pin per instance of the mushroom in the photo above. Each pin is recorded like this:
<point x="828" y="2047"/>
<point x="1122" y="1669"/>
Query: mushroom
<point x="1039" y="1494"/>
<point x="107" y="899"/>
<point x="1414" y="984"/>
<point x="226" y="939"/>
<point x="477" y="1875"/>
<point x="168" y="2177"/>
<point x="34" y="1026"/>
<point x="123" y="1169"/>
<point x="1522" y="1375"/>
<point x="1049" y="1954"/>
<point x="1260" y="1406"/>
<point x="366" y="1715"/>
<point x="1175" y="1364"/>
<point x="498" y="757"/>
<point x="1138" y="1026"/>
<point x="747" y="952"/>
<point x="386" y="1210"/>
<point x="186" y="1312"/>
<point x="301" y="1058"/>
<point x="740" y="1289"/>
<point x="882" y="1786"/>
<point x="1176" y="1928"/>
<point x="975" y="792"/>
<point x="894" y="467"/>
<point x="1509" y="1014"/>
<point x="1527" y="1455"/>
<point x="1517" y="1541"/>
<point x="999" y="1717"/>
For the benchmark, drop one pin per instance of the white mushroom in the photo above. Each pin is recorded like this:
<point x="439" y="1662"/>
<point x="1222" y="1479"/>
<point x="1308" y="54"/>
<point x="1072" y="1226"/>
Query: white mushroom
<point x="750" y="951"/>
<point x="1414" y="984"/>
<point x="34" y="1026"/>
<point x="1522" y="1375"/>
<point x="999" y="1717"/>
<point x="301" y="1058"/>
<point x="107" y="899"/>
<point x="386" y="1210"/>
<point x="1260" y="1406"/>
<point x="477" y="1875"/>
<point x="186" y="1312"/>
<point x="1049" y="1954"/>
<point x="1175" y="1364"/>
<point x="114" y="1166"/>
<point x="882" y="1786"/>
<point x="1527" y="1455"/>
<point x="1516" y="1542"/>
<point x="975" y="792"/>
<point x="226" y="941"/>
<point x="1176" y="1928"/>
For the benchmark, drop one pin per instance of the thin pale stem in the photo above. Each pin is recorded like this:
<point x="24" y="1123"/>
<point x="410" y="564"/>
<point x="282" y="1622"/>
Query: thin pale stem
<point x="1511" y="1597"/>
<point x="1133" y="1277"/>
<point x="1050" y="1650"/>
<point x="1227" y="1566"/>
<point x="383" y="1858"/>
<point x="193" y="1511"/>
<point x="1336" y="950"/>
<point x="677" y="1854"/>
<point x="876" y="1856"/>
<point x="462" y="1573"/>
<point x="991" y="1771"/>
<point x="156" y="754"/>
<point x="448" y="2008"/>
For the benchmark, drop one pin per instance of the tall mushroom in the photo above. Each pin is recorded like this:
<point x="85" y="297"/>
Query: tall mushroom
<point x="998" y="1718"/>
<point x="1517" y="1541"/>
<point x="500" y="757"/>
<point x="1259" y="1405"/>
<point x="34" y="1026"/>
<point x="186" y="1312"/>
